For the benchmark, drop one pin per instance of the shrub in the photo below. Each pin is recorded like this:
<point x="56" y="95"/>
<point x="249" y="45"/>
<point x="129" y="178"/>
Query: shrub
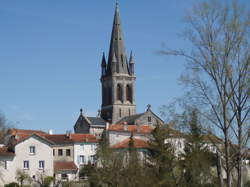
<point x="12" y="184"/>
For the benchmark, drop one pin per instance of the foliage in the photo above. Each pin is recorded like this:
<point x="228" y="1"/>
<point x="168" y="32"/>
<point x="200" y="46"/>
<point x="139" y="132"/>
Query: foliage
<point x="22" y="177"/>
<point x="12" y="184"/>
<point x="87" y="170"/>
<point x="197" y="158"/>
<point x="43" y="180"/>
<point x="163" y="162"/>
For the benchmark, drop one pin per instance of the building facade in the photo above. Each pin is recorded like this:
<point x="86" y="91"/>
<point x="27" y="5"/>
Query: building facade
<point x="31" y="155"/>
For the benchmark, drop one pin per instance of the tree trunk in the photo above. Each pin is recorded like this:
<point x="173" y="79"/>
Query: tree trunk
<point x="219" y="170"/>
<point x="228" y="173"/>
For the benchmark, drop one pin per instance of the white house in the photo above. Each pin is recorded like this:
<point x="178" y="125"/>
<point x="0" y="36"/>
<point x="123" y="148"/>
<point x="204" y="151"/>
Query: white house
<point x="84" y="149"/>
<point x="31" y="154"/>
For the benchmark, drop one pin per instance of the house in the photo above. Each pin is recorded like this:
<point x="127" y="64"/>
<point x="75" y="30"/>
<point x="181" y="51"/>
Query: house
<point x="31" y="154"/>
<point x="117" y="133"/>
<point x="84" y="149"/>
<point x="71" y="152"/>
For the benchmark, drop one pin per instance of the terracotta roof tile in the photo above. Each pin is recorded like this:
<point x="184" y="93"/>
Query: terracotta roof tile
<point x="84" y="138"/>
<point x="65" y="166"/>
<point x="138" y="143"/>
<point x="15" y="131"/>
<point x="72" y="138"/>
<point x="144" y="129"/>
<point x="5" y="152"/>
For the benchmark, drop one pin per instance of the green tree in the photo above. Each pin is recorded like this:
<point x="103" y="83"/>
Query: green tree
<point x="43" y="180"/>
<point x="22" y="177"/>
<point x="198" y="160"/>
<point x="164" y="164"/>
<point x="109" y="165"/>
<point x="135" y="172"/>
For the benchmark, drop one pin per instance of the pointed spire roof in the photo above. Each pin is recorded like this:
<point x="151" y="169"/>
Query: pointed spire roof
<point x="131" y="59"/>
<point x="117" y="47"/>
<point x="103" y="60"/>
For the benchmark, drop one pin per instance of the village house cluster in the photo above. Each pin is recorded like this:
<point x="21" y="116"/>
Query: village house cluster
<point x="63" y="155"/>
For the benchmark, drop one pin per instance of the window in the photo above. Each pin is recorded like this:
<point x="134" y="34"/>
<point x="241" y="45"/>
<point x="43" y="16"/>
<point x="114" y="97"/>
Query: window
<point x="64" y="176"/>
<point x="32" y="150"/>
<point x="68" y="152"/>
<point x="53" y="152"/>
<point x="82" y="146"/>
<point x="26" y="164"/>
<point x="92" y="147"/>
<point x="129" y="93"/>
<point x="149" y="119"/>
<point x="92" y="159"/>
<point x="119" y="93"/>
<point x="41" y="164"/>
<point x="81" y="160"/>
<point x="60" y="152"/>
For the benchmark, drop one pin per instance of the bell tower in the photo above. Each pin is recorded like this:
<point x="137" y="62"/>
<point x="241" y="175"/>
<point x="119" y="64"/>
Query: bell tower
<point x="117" y="77"/>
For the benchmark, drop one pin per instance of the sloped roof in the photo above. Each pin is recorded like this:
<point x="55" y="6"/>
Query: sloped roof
<point x="97" y="121"/>
<point x="130" y="119"/>
<point x="64" y="166"/>
<point x="89" y="121"/>
<point x="15" y="131"/>
<point x="4" y="151"/>
<point x="138" y="143"/>
<point x="88" y="138"/>
<point x="61" y="139"/>
<point x="144" y="129"/>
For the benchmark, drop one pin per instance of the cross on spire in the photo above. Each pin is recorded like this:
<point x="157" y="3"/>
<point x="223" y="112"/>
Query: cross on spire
<point x="116" y="4"/>
<point x="148" y="107"/>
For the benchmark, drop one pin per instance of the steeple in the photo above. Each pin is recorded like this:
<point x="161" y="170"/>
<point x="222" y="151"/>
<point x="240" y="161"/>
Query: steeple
<point x="103" y="65"/>
<point x="131" y="64"/>
<point x="118" y="78"/>
<point x="117" y="47"/>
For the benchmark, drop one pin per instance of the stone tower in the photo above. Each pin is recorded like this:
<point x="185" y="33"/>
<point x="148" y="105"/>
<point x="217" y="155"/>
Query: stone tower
<point x="118" y="78"/>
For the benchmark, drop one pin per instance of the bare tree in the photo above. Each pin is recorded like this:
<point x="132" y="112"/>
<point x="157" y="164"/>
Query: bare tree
<point x="218" y="73"/>
<point x="3" y="128"/>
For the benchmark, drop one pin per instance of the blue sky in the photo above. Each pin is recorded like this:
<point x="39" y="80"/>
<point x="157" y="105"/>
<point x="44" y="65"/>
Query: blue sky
<point x="50" y="55"/>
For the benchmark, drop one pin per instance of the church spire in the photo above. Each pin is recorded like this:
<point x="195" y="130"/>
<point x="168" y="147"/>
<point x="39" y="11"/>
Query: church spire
<point x="117" y="47"/>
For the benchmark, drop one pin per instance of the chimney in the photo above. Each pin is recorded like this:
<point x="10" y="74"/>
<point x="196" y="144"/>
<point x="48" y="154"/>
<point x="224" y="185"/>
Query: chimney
<point x="68" y="134"/>
<point x="50" y="132"/>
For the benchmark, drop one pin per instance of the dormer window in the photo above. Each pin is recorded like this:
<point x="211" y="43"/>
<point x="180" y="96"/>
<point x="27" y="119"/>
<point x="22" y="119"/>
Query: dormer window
<point x="32" y="150"/>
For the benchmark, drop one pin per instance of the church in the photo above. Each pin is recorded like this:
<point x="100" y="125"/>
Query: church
<point x="118" y="90"/>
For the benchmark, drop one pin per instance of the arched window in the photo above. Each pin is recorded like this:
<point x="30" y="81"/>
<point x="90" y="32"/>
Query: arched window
<point x="129" y="93"/>
<point x="119" y="92"/>
<point x="108" y="95"/>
